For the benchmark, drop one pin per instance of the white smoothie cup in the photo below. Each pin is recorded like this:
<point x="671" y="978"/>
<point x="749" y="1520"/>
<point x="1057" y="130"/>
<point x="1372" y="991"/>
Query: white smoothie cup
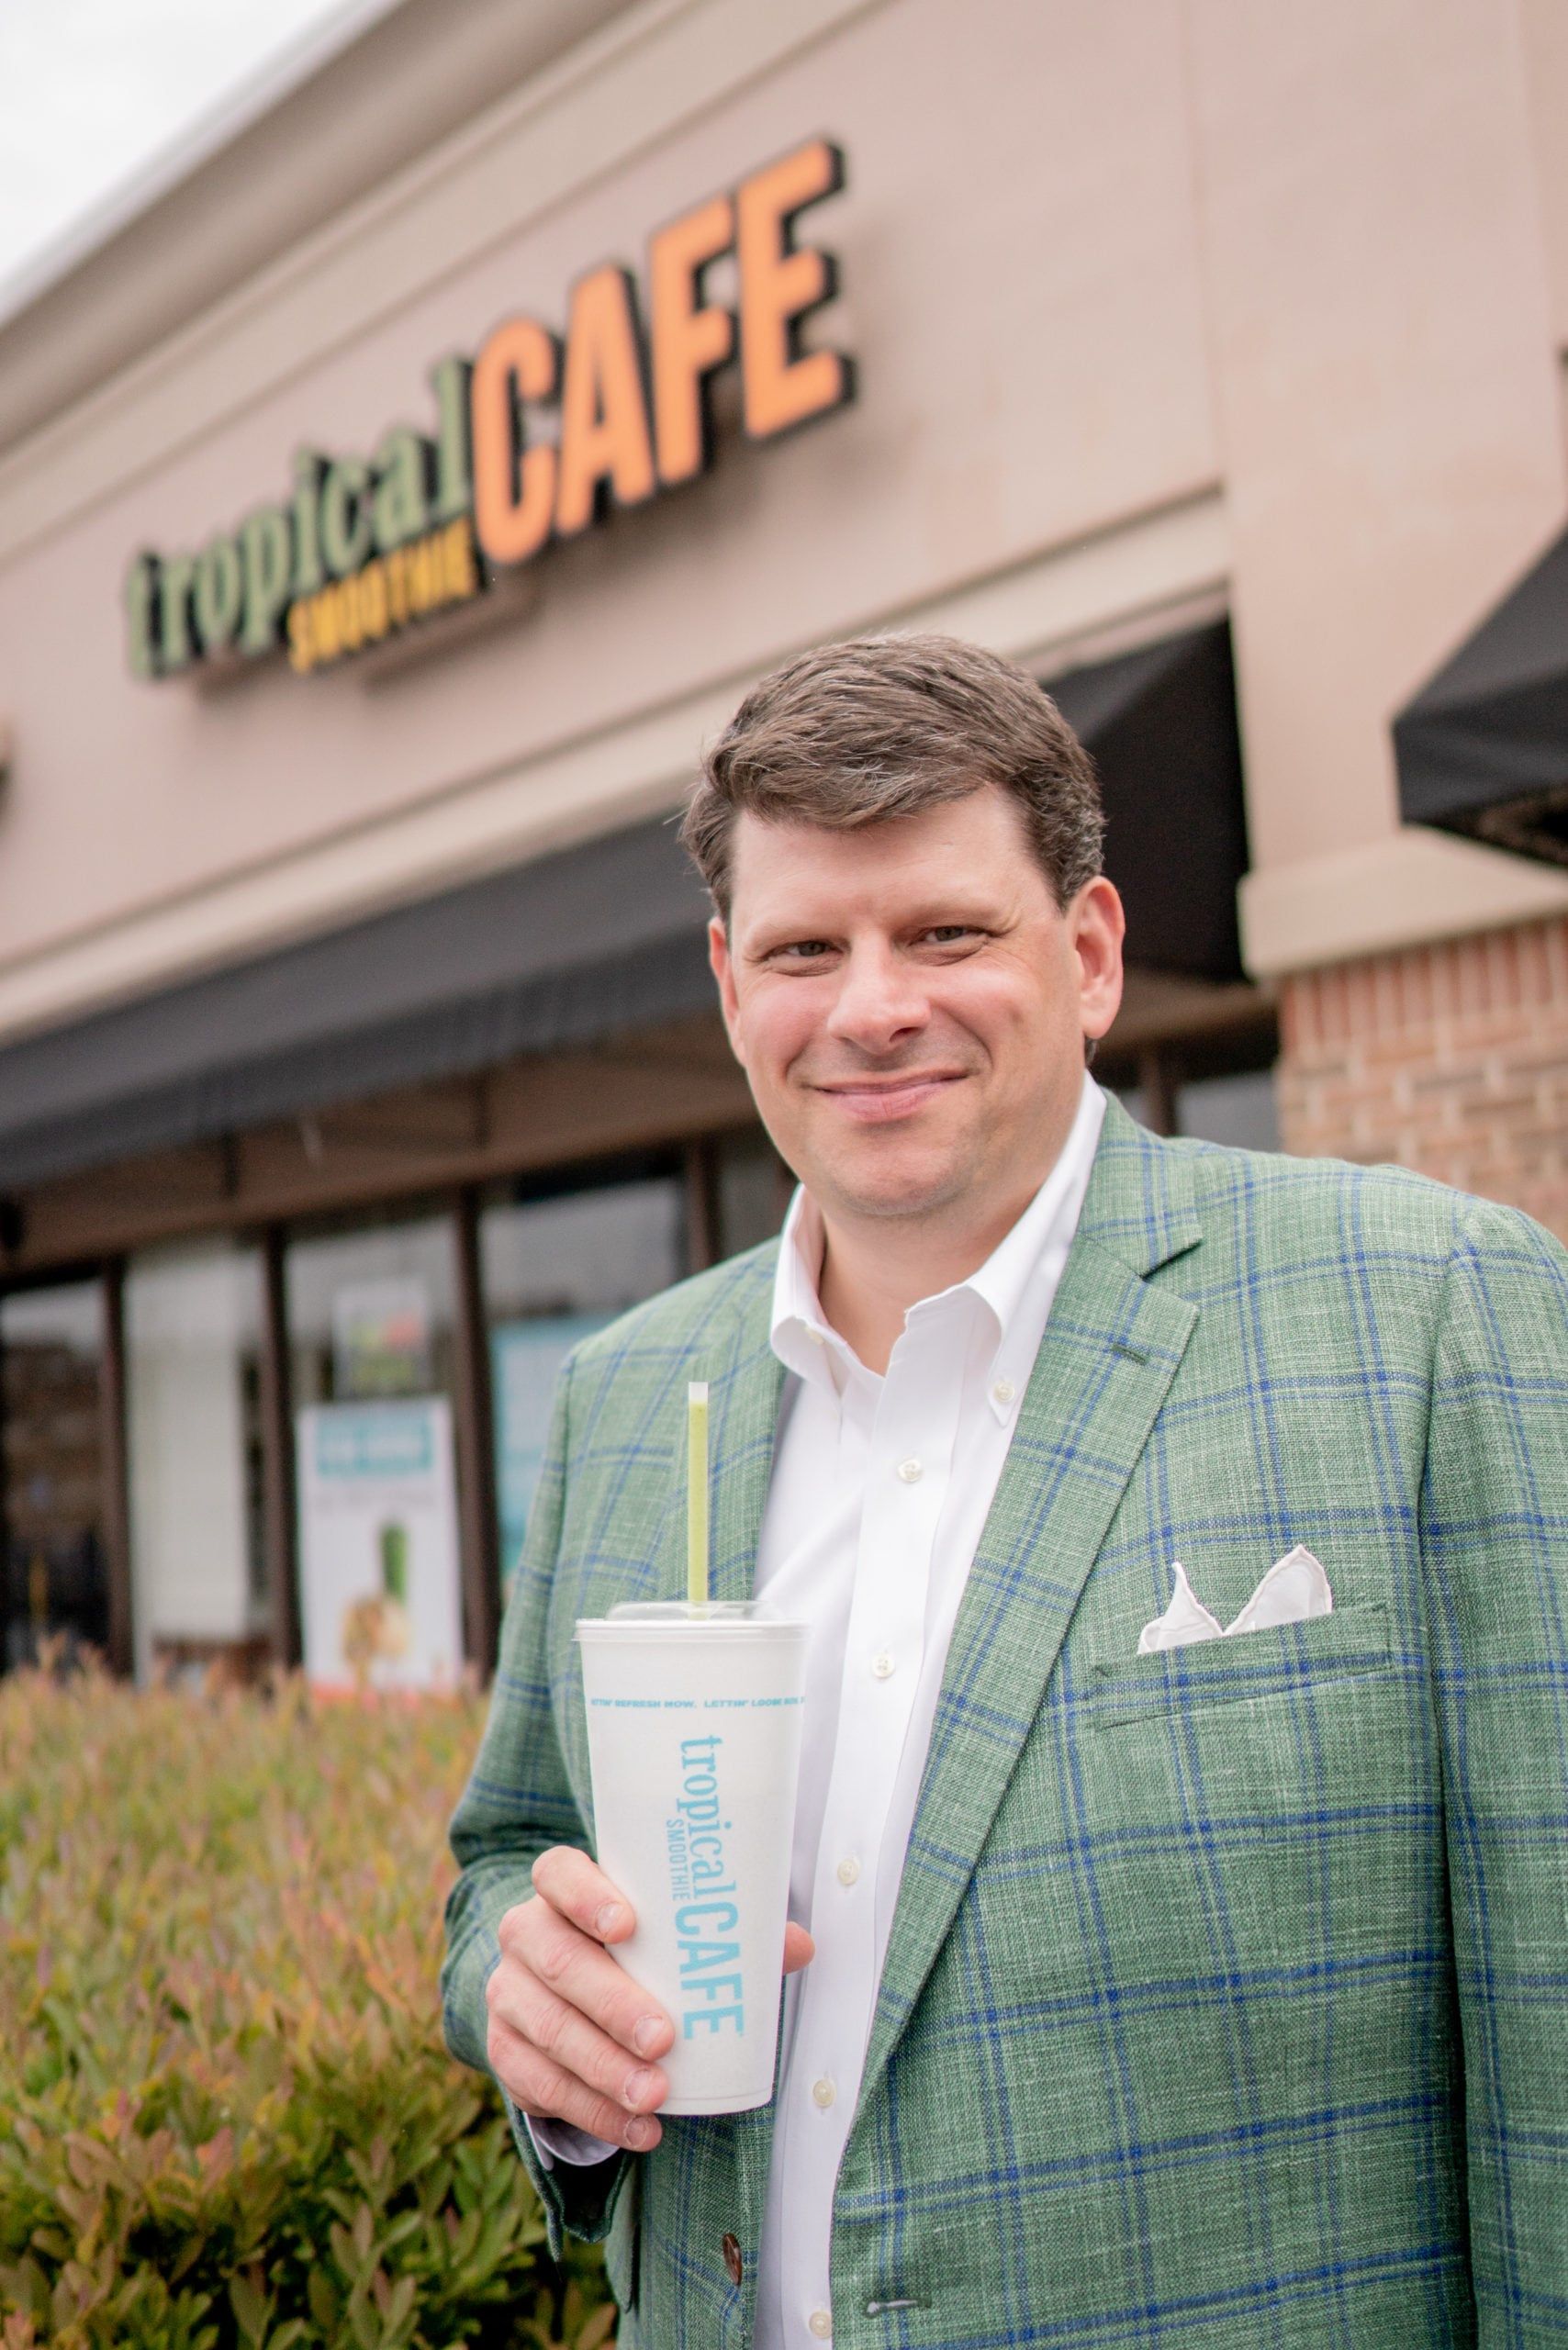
<point x="694" y="1717"/>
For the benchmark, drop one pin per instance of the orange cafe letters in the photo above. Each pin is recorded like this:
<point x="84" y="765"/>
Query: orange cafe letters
<point x="536" y="438"/>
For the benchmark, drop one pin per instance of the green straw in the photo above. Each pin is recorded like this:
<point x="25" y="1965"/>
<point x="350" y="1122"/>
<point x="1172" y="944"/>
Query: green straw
<point x="697" y="1493"/>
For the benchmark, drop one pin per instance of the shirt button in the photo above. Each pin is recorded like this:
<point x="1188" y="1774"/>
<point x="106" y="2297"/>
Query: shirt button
<point x="882" y="1665"/>
<point x="911" y="1471"/>
<point x="823" y="2093"/>
<point x="1005" y="1391"/>
<point x="848" y="1872"/>
<point x="814" y="1335"/>
<point x="820" y="2323"/>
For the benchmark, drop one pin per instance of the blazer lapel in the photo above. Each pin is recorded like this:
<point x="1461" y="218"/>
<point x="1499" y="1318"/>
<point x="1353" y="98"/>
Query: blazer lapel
<point x="1110" y="1352"/>
<point x="744" y="1403"/>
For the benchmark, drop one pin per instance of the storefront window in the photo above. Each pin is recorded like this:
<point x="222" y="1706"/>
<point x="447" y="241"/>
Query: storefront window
<point x="372" y="1333"/>
<point x="1239" y="1109"/>
<point x="554" y="1270"/>
<point x="193" y="1346"/>
<point x="1215" y="1087"/>
<point x="754" y="1190"/>
<point x="51" y="1355"/>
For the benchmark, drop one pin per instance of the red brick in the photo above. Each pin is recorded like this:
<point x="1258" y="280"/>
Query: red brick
<point x="1548" y="1060"/>
<point x="1452" y="1057"/>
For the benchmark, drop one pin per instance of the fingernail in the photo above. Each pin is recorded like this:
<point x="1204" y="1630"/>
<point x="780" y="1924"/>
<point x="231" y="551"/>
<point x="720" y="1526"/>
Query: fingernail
<point x="636" y="2086"/>
<point x="647" y="2031"/>
<point x="608" y="1917"/>
<point x="638" y="2135"/>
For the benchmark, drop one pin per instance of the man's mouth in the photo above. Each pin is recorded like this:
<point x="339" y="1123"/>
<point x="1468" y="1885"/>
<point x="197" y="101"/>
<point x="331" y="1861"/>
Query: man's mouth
<point x="877" y="1100"/>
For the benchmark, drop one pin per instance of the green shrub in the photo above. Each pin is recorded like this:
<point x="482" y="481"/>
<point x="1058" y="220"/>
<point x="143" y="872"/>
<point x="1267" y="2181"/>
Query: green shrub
<point x="225" y="2114"/>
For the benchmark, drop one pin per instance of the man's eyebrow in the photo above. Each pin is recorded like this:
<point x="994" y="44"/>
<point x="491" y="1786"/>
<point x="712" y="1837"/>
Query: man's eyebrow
<point x="780" y="928"/>
<point x="948" y="911"/>
<point x="942" y="911"/>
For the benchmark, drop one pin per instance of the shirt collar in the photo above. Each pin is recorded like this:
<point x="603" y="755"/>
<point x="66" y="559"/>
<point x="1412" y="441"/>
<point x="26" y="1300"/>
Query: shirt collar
<point x="1007" y="1284"/>
<point x="800" y="1336"/>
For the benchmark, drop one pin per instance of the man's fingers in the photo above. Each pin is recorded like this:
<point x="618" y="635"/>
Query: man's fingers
<point x="578" y="1889"/>
<point x="798" y="1948"/>
<point x="573" y="2045"/>
<point x="547" y="2093"/>
<point x="573" y="1966"/>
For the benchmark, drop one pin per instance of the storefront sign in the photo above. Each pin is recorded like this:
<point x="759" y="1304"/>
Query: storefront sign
<point x="536" y="438"/>
<point x="378" y="1544"/>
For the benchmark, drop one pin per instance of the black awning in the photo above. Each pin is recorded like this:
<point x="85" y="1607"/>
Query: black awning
<point x="594" y="940"/>
<point x="1161" y="724"/>
<point x="606" y="936"/>
<point x="1482" y="749"/>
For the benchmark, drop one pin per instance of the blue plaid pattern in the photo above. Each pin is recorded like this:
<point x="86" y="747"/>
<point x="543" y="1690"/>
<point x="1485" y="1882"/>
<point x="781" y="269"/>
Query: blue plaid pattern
<point x="1226" y="2000"/>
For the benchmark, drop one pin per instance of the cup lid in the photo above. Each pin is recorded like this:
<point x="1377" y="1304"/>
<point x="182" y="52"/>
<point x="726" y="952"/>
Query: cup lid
<point x="650" y="1617"/>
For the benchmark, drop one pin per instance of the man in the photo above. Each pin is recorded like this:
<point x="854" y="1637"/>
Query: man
<point x="1212" y="1992"/>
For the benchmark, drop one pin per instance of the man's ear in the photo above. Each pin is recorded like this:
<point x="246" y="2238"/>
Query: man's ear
<point x="723" y="970"/>
<point x="1096" y="926"/>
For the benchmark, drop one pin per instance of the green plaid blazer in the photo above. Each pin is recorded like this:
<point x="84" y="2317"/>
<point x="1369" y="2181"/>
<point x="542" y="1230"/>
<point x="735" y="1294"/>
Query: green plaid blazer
<point x="1227" y="2001"/>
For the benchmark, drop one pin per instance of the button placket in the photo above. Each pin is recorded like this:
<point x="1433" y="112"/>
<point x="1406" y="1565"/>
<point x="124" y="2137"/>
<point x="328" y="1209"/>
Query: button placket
<point x="894" y="1595"/>
<point x="907" y="1465"/>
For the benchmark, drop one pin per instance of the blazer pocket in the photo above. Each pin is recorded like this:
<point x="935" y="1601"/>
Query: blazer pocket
<point x="1287" y="1659"/>
<point x="1260" y="1823"/>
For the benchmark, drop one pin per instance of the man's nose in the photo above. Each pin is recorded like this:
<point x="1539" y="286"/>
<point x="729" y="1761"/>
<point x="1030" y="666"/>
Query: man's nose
<point x="880" y="998"/>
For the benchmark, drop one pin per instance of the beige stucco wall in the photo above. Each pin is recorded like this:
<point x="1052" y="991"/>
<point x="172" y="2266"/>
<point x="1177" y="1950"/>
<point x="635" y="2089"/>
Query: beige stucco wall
<point x="1148" y="300"/>
<point x="1386" y="371"/>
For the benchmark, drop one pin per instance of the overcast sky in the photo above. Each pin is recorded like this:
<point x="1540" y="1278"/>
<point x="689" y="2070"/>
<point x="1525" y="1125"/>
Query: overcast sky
<point x="97" y="93"/>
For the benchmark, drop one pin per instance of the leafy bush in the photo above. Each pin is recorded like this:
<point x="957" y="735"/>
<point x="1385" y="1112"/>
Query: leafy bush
<point x="225" y="2114"/>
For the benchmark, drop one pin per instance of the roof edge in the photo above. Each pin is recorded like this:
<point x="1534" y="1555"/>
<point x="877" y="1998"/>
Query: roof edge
<point x="336" y="115"/>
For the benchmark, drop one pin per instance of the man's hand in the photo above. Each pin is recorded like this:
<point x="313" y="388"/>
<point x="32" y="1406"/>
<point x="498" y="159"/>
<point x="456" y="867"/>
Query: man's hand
<point x="572" y="2038"/>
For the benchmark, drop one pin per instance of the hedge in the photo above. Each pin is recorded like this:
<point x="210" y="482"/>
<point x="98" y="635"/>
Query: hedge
<point x="225" y="2114"/>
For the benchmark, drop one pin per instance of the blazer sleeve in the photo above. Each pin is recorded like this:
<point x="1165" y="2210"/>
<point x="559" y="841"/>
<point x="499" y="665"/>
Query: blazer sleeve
<point x="1494" y="1552"/>
<point x="518" y="1802"/>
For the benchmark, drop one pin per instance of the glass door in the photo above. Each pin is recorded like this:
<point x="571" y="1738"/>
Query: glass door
<point x="192" y="1354"/>
<point x="372" y="1336"/>
<point x="51" y="1414"/>
<point x="553" y="1270"/>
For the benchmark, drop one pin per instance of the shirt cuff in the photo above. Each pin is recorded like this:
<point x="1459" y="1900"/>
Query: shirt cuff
<point x="561" y="2142"/>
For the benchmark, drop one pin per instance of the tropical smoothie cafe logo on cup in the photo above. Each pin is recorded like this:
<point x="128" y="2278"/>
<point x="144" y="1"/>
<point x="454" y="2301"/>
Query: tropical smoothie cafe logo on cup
<point x="536" y="438"/>
<point x="706" y="1923"/>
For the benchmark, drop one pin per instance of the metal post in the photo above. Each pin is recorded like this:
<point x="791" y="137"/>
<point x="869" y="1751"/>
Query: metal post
<point x="6" y="1596"/>
<point x="702" y="1170"/>
<point x="478" y="1522"/>
<point x="115" y="1474"/>
<point x="279" y="1524"/>
<point x="1157" y="1081"/>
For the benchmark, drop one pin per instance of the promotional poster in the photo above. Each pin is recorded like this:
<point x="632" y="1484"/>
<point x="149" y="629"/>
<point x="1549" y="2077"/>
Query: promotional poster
<point x="378" y="1544"/>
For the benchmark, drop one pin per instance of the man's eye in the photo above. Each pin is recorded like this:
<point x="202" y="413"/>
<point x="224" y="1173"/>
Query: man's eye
<point x="804" y="950"/>
<point x="948" y="934"/>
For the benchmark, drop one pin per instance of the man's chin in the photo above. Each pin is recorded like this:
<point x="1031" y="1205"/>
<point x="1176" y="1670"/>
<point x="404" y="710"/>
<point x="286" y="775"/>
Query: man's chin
<point x="892" y="1192"/>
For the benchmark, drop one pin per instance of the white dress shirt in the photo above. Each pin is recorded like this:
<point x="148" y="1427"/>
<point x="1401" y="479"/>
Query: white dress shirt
<point x="879" y="1493"/>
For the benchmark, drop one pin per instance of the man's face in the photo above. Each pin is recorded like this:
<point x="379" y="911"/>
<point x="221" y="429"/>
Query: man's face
<point x="910" y="1005"/>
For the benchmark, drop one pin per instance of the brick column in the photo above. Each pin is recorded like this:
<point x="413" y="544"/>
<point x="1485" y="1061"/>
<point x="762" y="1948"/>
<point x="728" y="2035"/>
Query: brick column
<point x="1451" y="1059"/>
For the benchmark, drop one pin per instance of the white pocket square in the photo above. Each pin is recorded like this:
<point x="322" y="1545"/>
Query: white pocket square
<point x="1294" y="1589"/>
